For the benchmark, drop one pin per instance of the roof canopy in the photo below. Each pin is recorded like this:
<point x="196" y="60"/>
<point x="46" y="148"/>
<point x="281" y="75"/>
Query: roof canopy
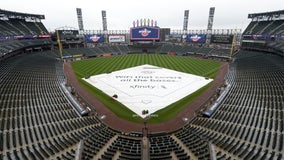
<point x="11" y="14"/>
<point x="266" y="14"/>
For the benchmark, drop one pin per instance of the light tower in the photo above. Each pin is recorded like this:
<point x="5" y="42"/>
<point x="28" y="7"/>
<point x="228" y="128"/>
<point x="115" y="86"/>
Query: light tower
<point x="185" y="20"/>
<point x="210" y="24"/>
<point x="80" y="19"/>
<point x="104" y="20"/>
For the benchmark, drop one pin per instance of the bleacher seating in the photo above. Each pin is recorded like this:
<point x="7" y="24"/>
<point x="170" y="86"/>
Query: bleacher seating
<point x="165" y="48"/>
<point x="97" y="51"/>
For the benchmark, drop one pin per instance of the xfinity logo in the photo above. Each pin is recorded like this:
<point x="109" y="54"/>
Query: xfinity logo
<point x="67" y="32"/>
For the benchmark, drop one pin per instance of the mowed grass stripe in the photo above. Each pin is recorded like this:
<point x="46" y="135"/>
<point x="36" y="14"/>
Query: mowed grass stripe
<point x="102" y="65"/>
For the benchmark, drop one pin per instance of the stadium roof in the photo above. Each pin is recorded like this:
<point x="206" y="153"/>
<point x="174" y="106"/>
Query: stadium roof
<point x="11" y="14"/>
<point x="269" y="14"/>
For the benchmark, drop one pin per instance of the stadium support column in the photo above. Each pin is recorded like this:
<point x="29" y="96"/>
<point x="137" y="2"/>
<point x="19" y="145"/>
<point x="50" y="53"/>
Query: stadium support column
<point x="185" y="20"/>
<point x="210" y="24"/>
<point x="80" y="19"/>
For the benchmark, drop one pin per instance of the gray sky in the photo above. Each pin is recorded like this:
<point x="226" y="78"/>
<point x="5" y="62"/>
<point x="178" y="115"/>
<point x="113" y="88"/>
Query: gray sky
<point x="229" y="14"/>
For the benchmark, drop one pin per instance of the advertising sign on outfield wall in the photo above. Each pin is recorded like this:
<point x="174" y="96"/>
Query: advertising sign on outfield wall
<point x="68" y="32"/>
<point x="116" y="38"/>
<point x="95" y="38"/>
<point x="225" y="39"/>
<point x="196" y="38"/>
<point x="173" y="38"/>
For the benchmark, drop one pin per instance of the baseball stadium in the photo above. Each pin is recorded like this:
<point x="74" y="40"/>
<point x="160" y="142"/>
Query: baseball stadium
<point x="148" y="92"/>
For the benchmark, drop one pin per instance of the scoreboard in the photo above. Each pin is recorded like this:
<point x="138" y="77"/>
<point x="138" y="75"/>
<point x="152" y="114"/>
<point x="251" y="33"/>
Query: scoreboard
<point x="144" y="33"/>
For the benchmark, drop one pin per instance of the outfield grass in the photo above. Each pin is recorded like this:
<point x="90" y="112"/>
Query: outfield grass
<point x="95" y="66"/>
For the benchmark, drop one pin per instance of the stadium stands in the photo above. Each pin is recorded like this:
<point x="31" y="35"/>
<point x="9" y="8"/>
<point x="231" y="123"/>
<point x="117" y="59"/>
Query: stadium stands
<point x="166" y="147"/>
<point x="96" y="51"/>
<point x="10" y="48"/>
<point x="181" y="50"/>
<point x="35" y="116"/>
<point x="21" y="32"/>
<point x="39" y="122"/>
<point x="20" y="25"/>
<point x="246" y="123"/>
<point x="265" y="27"/>
<point x="265" y="33"/>
<point x="276" y="47"/>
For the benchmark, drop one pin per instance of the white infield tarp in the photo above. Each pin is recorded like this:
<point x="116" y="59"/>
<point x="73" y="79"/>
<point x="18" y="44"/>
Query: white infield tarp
<point x="147" y="87"/>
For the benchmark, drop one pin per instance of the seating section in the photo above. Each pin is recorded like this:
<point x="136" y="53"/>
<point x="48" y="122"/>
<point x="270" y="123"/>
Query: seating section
<point x="124" y="148"/>
<point x="193" y="49"/>
<point x="220" y="52"/>
<point x="196" y="144"/>
<point x="10" y="46"/>
<point x="95" y="142"/>
<point x="125" y="49"/>
<point x="37" y="122"/>
<point x="249" y="123"/>
<point x="18" y="34"/>
<point x="273" y="27"/>
<point x="165" y="147"/>
<point x="18" y="27"/>
<point x="264" y="35"/>
<point x="276" y="47"/>
<point x="96" y="51"/>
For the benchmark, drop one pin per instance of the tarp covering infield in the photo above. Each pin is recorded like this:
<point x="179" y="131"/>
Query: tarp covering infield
<point x="147" y="87"/>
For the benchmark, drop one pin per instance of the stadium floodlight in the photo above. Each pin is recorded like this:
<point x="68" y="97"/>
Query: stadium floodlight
<point x="210" y="24"/>
<point x="80" y="19"/>
<point x="211" y="18"/>
<point x="104" y="20"/>
<point x="185" y="20"/>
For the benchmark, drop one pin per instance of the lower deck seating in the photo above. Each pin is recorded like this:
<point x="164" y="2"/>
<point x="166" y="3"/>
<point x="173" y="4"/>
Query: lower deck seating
<point x="37" y="122"/>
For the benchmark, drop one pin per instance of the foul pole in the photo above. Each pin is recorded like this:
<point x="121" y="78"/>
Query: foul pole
<point x="59" y="45"/>
<point x="233" y="46"/>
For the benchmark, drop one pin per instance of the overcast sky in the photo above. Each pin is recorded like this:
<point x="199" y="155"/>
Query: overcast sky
<point x="229" y="14"/>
